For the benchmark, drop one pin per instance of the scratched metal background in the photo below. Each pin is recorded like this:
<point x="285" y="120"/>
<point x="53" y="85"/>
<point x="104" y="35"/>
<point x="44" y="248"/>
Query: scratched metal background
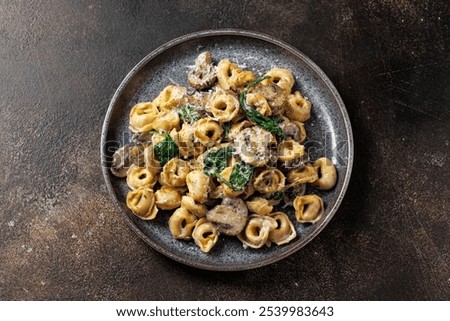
<point x="60" y="234"/>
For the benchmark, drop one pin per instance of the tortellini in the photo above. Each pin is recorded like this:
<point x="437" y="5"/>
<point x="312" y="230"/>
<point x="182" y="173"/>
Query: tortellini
<point x="269" y="181"/>
<point x="170" y="97"/>
<point x="230" y="76"/>
<point x="251" y="190"/>
<point x="174" y="173"/>
<point x="308" y="208"/>
<point x="285" y="230"/>
<point x="223" y="106"/>
<point x="198" y="184"/>
<point x="166" y="121"/>
<point x="187" y="145"/>
<point x="182" y="223"/>
<point x="208" y="132"/>
<point x="259" y="102"/>
<point x="283" y="78"/>
<point x="142" y="203"/>
<point x="256" y="232"/>
<point x="192" y="206"/>
<point x="290" y="150"/>
<point x="168" y="198"/>
<point x="228" y="191"/>
<point x="299" y="108"/>
<point x="142" y="117"/>
<point x="140" y="176"/>
<point x="326" y="174"/>
<point x="306" y="174"/>
<point x="205" y="234"/>
<point x="259" y="205"/>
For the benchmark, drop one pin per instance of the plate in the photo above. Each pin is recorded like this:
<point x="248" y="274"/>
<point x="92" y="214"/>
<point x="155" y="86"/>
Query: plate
<point x="329" y="134"/>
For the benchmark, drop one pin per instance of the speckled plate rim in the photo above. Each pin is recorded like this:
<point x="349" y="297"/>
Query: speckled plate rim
<point x="239" y="33"/>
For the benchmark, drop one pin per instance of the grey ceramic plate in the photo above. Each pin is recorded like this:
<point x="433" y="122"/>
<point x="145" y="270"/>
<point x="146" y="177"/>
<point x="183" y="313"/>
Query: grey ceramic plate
<point x="329" y="134"/>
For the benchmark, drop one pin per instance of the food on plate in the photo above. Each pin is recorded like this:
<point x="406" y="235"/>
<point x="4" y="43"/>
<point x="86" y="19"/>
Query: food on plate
<point x="225" y="157"/>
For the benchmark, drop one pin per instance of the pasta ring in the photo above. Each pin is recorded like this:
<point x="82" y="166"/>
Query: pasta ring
<point x="298" y="108"/>
<point x="198" y="185"/>
<point x="166" y="120"/>
<point x="205" y="234"/>
<point x="142" y="116"/>
<point x="224" y="107"/>
<point x="181" y="223"/>
<point x="227" y="190"/>
<point x="285" y="230"/>
<point x="142" y="203"/>
<point x="170" y="97"/>
<point x="256" y="232"/>
<point x="259" y="103"/>
<point x="174" y="173"/>
<point x="269" y="181"/>
<point x="229" y="75"/>
<point x="308" y="208"/>
<point x="283" y="78"/>
<point x="290" y="150"/>
<point x="259" y="205"/>
<point x="208" y="132"/>
<point x="167" y="198"/>
<point x="140" y="176"/>
<point x="327" y="175"/>
<point x="197" y="209"/>
<point x="299" y="176"/>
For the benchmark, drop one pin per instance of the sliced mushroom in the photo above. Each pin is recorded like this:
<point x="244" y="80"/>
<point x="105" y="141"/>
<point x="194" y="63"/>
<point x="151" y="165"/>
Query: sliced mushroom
<point x="126" y="156"/>
<point x="274" y="95"/>
<point x="253" y="146"/>
<point x="139" y="138"/>
<point x="204" y="74"/>
<point x="230" y="216"/>
<point x="291" y="193"/>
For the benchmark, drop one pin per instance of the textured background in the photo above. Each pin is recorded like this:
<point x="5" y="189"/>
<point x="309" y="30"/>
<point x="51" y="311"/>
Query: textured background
<point x="60" y="235"/>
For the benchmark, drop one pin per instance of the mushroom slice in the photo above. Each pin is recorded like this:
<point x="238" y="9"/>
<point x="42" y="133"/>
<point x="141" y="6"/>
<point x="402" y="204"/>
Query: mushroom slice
<point x="204" y="74"/>
<point x="275" y="96"/>
<point x="126" y="156"/>
<point x="285" y="230"/>
<point x="256" y="232"/>
<point x="230" y="216"/>
<point x="291" y="193"/>
<point x="253" y="146"/>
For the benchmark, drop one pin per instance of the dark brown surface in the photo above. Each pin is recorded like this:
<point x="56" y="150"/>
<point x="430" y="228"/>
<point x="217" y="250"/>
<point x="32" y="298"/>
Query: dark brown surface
<point x="60" y="235"/>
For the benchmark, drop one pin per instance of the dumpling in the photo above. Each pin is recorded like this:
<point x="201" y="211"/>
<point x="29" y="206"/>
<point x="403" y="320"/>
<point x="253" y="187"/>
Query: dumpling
<point x="269" y="181"/>
<point x="142" y="203"/>
<point x="168" y="198"/>
<point x="205" y="234"/>
<point x="308" y="208"/>
<point x="140" y="176"/>
<point x="198" y="185"/>
<point x="285" y="230"/>
<point x="326" y="172"/>
<point x="259" y="206"/>
<point x="174" y="173"/>
<point x="256" y="232"/>
<point x="182" y="223"/>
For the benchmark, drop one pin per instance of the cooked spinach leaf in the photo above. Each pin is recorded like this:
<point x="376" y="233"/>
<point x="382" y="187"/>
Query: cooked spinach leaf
<point x="240" y="176"/>
<point x="166" y="149"/>
<point x="189" y="114"/>
<point x="269" y="124"/>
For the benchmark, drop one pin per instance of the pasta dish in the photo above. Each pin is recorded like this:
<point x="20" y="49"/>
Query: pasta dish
<point x="224" y="156"/>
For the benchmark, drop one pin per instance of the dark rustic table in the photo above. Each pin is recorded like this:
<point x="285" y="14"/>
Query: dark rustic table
<point x="60" y="234"/>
